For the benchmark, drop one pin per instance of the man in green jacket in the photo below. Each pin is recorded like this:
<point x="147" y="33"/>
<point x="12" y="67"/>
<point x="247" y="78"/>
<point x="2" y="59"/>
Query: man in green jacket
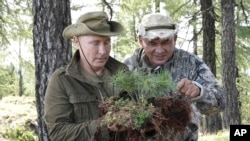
<point x="75" y="91"/>
<point x="157" y="35"/>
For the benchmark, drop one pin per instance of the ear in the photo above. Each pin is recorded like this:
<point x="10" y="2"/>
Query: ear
<point x="175" y="37"/>
<point x="75" y="40"/>
<point x="140" y="41"/>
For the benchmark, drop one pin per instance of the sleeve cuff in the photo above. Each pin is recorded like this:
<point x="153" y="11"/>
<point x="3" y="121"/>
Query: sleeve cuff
<point x="201" y="91"/>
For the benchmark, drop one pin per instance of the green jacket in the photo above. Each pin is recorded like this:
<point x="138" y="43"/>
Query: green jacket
<point x="71" y="102"/>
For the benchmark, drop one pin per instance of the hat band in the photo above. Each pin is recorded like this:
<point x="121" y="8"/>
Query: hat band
<point x="160" y="27"/>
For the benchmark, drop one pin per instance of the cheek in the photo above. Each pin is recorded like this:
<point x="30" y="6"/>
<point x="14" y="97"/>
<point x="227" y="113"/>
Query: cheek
<point x="170" y="49"/>
<point x="108" y="49"/>
<point x="148" y="51"/>
<point x="89" y="52"/>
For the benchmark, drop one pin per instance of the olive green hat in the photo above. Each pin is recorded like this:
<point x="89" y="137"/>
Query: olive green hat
<point x="93" y="23"/>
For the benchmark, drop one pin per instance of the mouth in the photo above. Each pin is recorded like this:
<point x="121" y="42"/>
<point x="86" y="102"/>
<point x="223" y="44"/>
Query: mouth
<point x="101" y="59"/>
<point x="159" y="57"/>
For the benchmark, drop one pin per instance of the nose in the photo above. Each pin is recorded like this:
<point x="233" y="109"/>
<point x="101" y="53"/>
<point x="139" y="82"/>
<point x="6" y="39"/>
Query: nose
<point x="102" y="49"/>
<point x="159" y="49"/>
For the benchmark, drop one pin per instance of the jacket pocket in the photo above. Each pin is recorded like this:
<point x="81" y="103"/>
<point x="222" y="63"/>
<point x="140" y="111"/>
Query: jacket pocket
<point x="85" y="107"/>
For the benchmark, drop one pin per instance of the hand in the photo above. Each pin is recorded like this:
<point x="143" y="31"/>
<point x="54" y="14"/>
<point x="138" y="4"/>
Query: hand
<point x="187" y="88"/>
<point x="117" y="128"/>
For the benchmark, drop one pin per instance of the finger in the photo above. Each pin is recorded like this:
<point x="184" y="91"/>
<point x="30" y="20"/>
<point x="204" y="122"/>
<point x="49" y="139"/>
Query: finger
<point x="194" y="91"/>
<point x="189" y="92"/>
<point x="180" y="84"/>
<point x="193" y="94"/>
<point x="183" y="90"/>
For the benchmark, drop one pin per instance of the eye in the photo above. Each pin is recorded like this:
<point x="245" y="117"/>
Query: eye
<point x="107" y="42"/>
<point x="95" y="43"/>
<point x="152" y="43"/>
<point x="167" y="41"/>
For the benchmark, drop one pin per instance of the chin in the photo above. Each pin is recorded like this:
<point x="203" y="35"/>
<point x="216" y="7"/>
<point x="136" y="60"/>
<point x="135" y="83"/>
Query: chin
<point x="100" y="64"/>
<point x="158" y="63"/>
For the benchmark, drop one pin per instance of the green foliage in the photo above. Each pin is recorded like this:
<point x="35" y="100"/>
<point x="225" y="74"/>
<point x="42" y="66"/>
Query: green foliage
<point x="16" y="21"/>
<point x="243" y="63"/>
<point x="129" y="15"/>
<point x="242" y="31"/>
<point x="127" y="113"/>
<point x="155" y="84"/>
<point x="140" y="116"/>
<point x="8" y="81"/>
<point x="143" y="84"/>
<point x="140" y="85"/>
<point x="16" y="32"/>
<point x="121" y="102"/>
<point x="125" y="81"/>
<point x="244" y="97"/>
<point x="20" y="134"/>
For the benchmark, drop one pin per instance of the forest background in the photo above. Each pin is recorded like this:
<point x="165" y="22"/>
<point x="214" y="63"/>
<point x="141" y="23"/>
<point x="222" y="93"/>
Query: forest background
<point x="205" y="29"/>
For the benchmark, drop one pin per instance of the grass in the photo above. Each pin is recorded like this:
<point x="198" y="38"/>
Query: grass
<point x="220" y="136"/>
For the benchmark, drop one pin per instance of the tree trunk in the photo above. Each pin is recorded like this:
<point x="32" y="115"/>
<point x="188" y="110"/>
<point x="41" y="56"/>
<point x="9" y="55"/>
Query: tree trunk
<point x="20" y="66"/>
<point x="157" y="6"/>
<point x="195" y="38"/>
<point x="208" y="27"/>
<point x="213" y="122"/>
<point x="51" y="50"/>
<point x="229" y="68"/>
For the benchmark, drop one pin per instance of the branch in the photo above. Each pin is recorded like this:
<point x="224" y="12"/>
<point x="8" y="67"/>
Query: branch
<point x="109" y="7"/>
<point x="243" y="10"/>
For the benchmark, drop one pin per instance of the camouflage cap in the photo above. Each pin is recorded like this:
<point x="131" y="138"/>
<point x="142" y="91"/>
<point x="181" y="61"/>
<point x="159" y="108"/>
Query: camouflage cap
<point x="157" y="25"/>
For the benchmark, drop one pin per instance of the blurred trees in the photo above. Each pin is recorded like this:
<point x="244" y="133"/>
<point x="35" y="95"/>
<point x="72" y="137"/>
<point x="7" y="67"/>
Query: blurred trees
<point x="15" y="38"/>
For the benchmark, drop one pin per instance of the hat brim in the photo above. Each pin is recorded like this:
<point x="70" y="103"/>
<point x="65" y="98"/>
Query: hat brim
<point x="80" y="29"/>
<point x="159" y="33"/>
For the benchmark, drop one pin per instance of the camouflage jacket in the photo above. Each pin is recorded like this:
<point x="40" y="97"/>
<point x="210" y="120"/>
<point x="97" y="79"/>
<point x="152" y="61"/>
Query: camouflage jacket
<point x="71" y="103"/>
<point x="184" y="64"/>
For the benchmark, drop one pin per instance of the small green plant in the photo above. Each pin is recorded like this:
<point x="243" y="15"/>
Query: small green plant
<point x="139" y="86"/>
<point x="20" y="134"/>
<point x="124" y="81"/>
<point x="143" y="85"/>
<point x="121" y="102"/>
<point x="140" y="118"/>
<point x="144" y="106"/>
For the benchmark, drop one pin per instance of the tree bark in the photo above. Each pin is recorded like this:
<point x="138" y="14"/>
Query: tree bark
<point x="213" y="122"/>
<point x="229" y="68"/>
<point x="50" y="49"/>
<point x="157" y="6"/>
<point x="195" y="37"/>
<point x="208" y="26"/>
<point x="20" y="72"/>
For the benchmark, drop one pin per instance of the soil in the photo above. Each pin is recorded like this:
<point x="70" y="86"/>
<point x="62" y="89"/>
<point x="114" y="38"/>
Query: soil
<point x="169" y="115"/>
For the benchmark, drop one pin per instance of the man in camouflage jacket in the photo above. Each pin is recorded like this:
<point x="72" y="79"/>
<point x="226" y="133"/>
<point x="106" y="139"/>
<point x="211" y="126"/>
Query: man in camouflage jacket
<point x="157" y="35"/>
